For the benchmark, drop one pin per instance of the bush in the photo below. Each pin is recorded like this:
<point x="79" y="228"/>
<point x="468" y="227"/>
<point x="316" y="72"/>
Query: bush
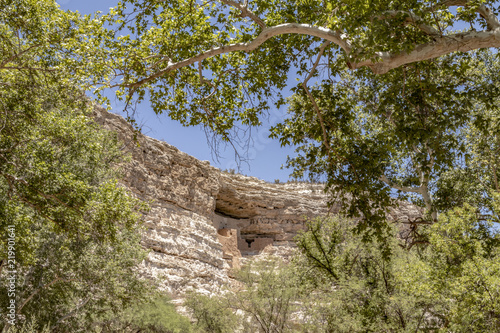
<point x="157" y="316"/>
<point x="267" y="297"/>
<point x="212" y="314"/>
<point x="269" y="294"/>
<point x="452" y="283"/>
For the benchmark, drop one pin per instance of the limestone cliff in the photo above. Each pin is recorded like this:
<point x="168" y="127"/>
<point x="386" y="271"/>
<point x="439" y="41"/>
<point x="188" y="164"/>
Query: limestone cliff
<point x="202" y="220"/>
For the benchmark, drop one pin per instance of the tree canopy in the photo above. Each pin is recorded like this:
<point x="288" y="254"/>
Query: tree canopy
<point x="218" y="62"/>
<point x="378" y="138"/>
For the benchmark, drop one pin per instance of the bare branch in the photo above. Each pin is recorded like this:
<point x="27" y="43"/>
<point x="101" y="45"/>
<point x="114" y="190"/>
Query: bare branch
<point x="316" y="63"/>
<point x="245" y="12"/>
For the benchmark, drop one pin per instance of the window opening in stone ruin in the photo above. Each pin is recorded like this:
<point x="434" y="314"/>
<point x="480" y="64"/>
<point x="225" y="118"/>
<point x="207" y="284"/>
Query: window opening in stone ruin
<point x="249" y="242"/>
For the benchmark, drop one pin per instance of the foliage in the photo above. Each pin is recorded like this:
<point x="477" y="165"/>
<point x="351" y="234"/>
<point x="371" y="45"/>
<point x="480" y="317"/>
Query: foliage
<point x="268" y="295"/>
<point x="76" y="230"/>
<point x="338" y="283"/>
<point x="229" y="72"/>
<point x="380" y="139"/>
<point x="449" y="285"/>
<point x="476" y="180"/>
<point x="355" y="287"/>
<point x="155" y="316"/>
<point x="457" y="277"/>
<point x="375" y="137"/>
<point x="71" y="283"/>
<point x="219" y="63"/>
<point x="54" y="160"/>
<point x="212" y="314"/>
<point x="211" y="77"/>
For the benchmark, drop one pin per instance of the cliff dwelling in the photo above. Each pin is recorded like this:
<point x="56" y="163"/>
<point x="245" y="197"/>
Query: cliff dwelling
<point x="250" y="217"/>
<point x="234" y="244"/>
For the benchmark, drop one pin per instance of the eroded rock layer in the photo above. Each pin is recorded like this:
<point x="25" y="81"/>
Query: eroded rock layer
<point x="202" y="220"/>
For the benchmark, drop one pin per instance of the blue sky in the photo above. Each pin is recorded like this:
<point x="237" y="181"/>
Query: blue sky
<point x="265" y="156"/>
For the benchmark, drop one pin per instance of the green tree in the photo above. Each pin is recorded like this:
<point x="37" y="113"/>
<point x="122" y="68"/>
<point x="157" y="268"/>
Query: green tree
<point x="75" y="228"/>
<point x="264" y="298"/>
<point x="382" y="138"/>
<point x="353" y="283"/>
<point x="155" y="316"/>
<point x="451" y="284"/>
<point x="456" y="279"/>
<point x="475" y="180"/>
<point x="212" y="314"/>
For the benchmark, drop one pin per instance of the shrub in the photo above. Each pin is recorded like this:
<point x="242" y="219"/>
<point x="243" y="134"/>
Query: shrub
<point x="156" y="316"/>
<point x="212" y="314"/>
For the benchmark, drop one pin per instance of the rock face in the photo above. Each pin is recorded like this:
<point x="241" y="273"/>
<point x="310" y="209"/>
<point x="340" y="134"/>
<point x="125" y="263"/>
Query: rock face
<point x="202" y="220"/>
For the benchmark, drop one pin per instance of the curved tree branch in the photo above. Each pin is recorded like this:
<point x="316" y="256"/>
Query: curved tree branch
<point x="460" y="42"/>
<point x="266" y="34"/>
<point x="384" y="61"/>
<point x="486" y="13"/>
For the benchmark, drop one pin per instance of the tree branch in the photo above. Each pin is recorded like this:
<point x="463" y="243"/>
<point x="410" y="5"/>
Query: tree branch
<point x="317" y="109"/>
<point x="245" y="12"/>
<point x="313" y="101"/>
<point x="412" y="19"/>
<point x="78" y="307"/>
<point x="384" y="61"/>
<point x="57" y="279"/>
<point x="266" y="34"/>
<point x="386" y="180"/>
<point x="489" y="17"/>
<point x="486" y="13"/>
<point x="459" y="42"/>
<point x="17" y="55"/>
<point x="316" y="63"/>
